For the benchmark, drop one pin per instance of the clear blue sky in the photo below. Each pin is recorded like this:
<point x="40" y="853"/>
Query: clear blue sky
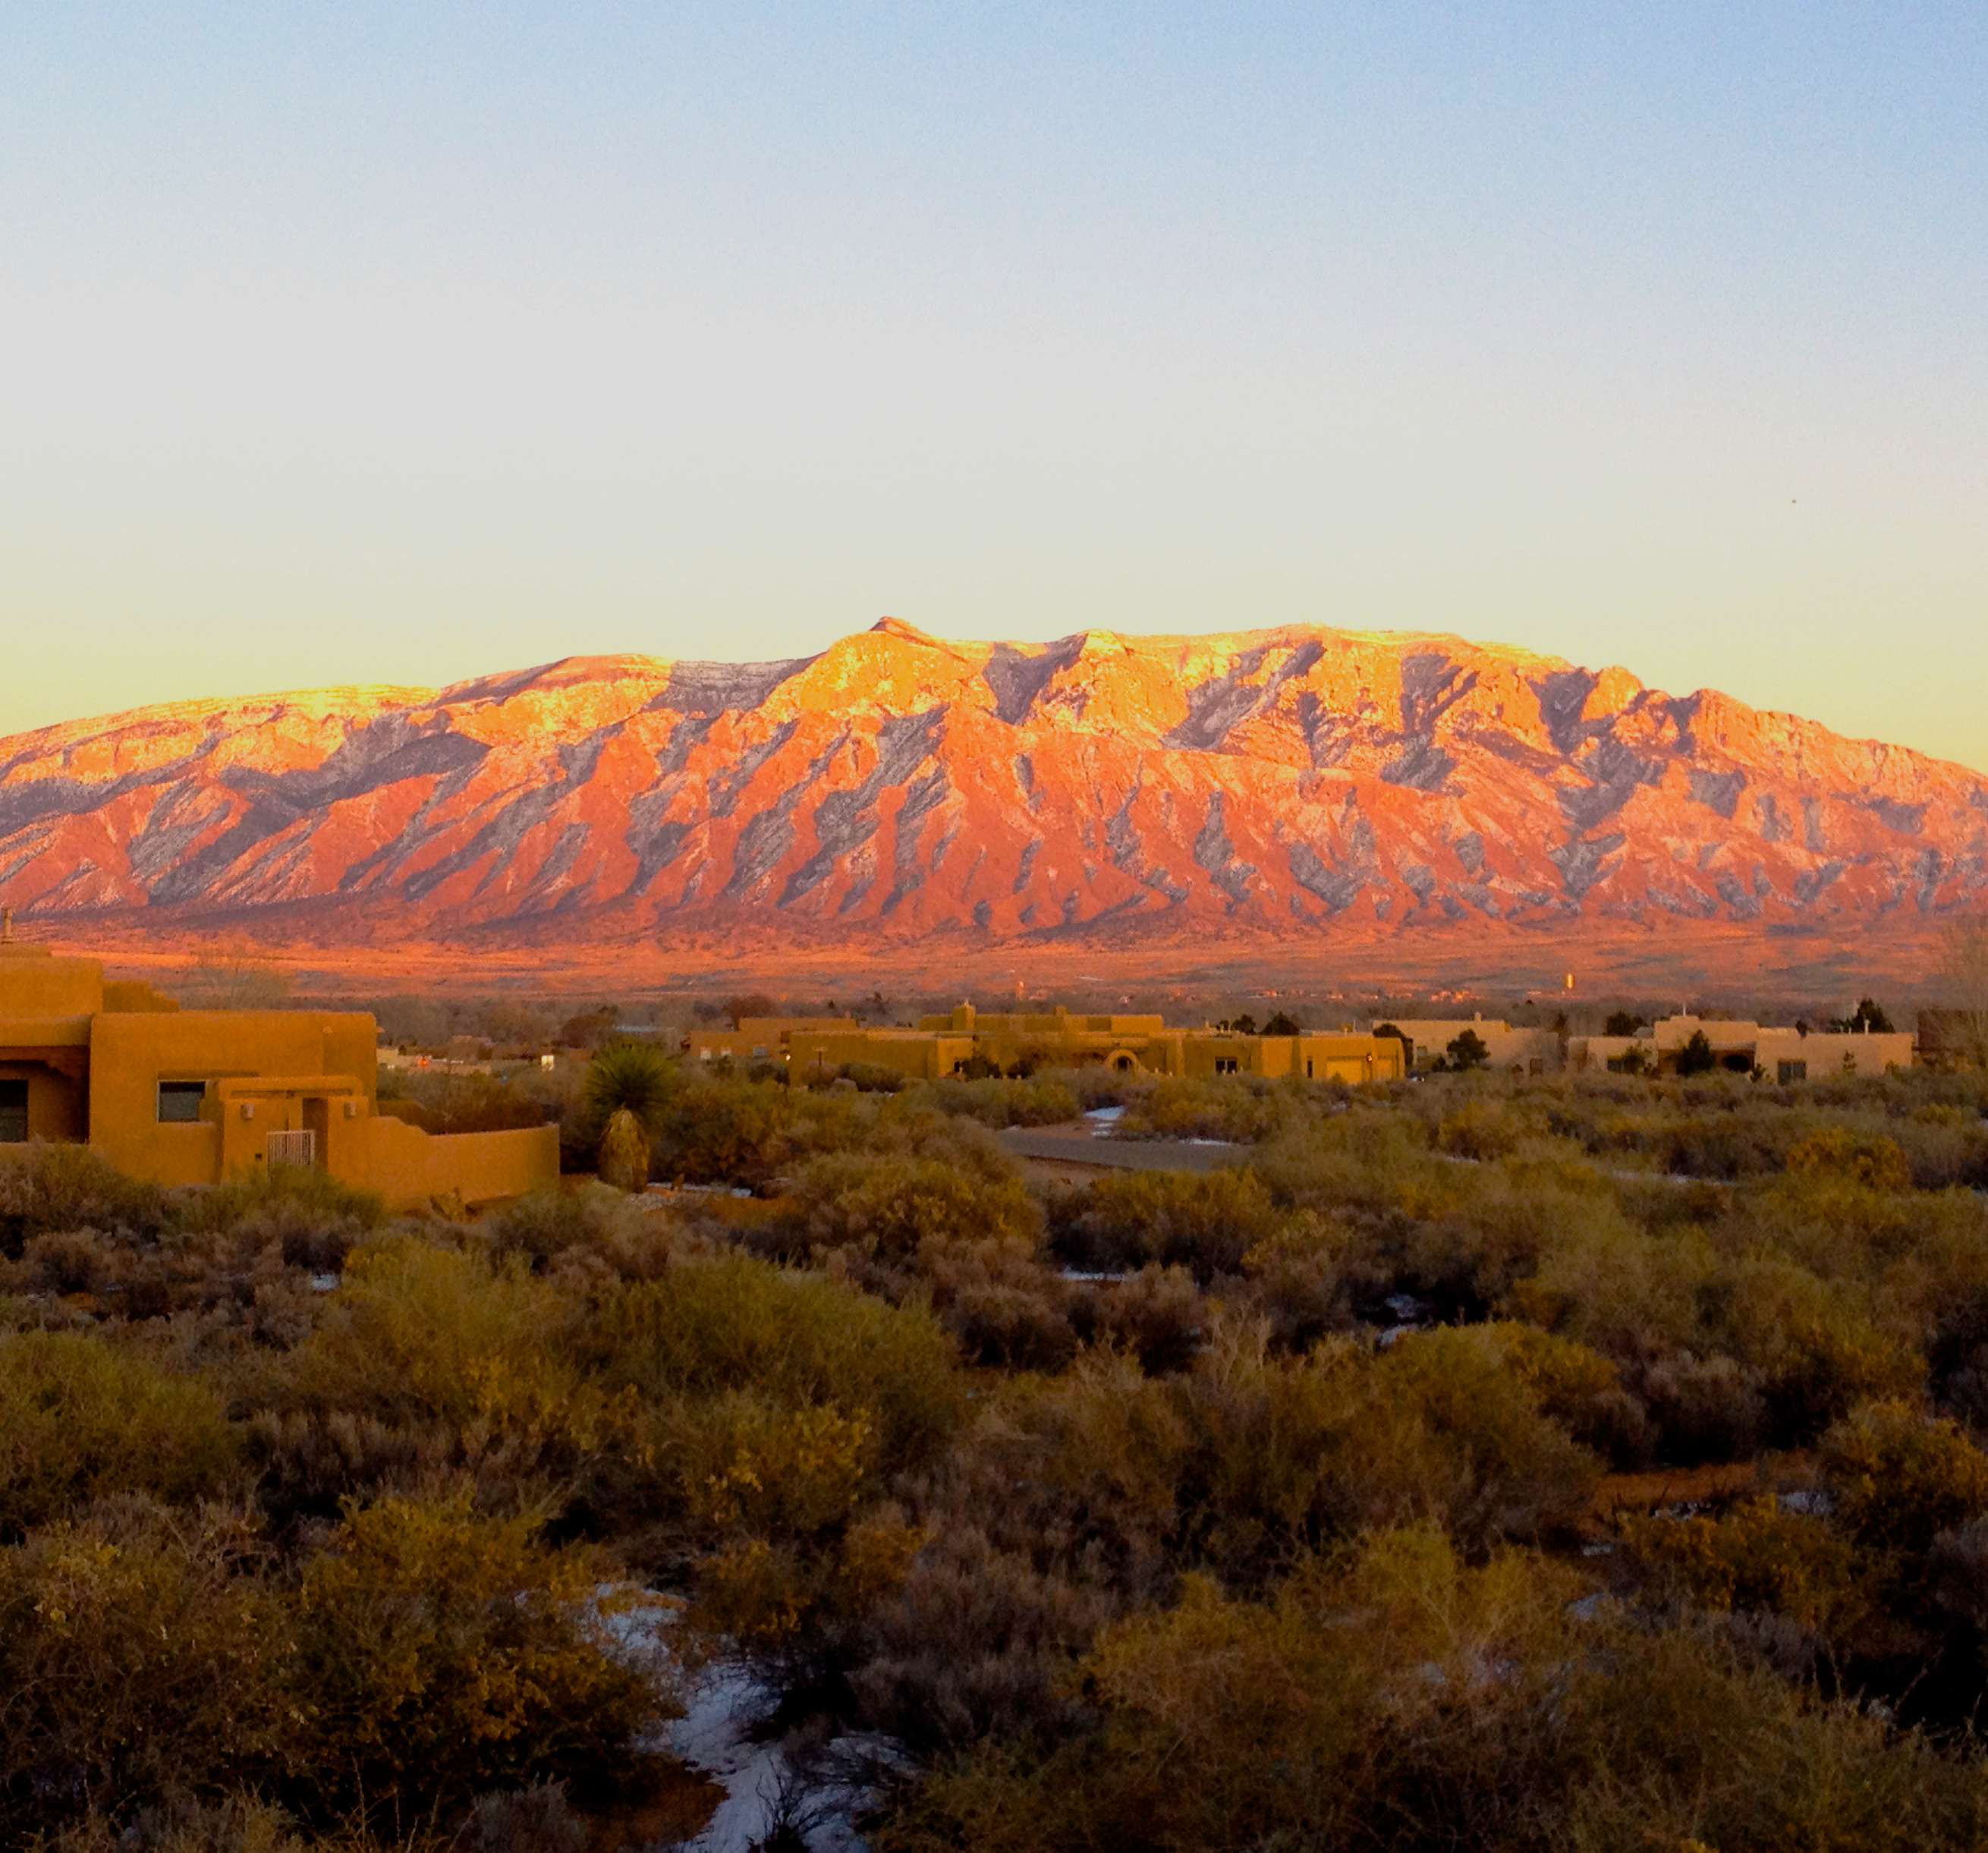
<point x="404" y="342"/>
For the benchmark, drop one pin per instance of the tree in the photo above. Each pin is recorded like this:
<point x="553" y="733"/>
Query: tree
<point x="1867" y="1017"/>
<point x="589" y="1029"/>
<point x="1622" y="1022"/>
<point x="1964" y="967"/>
<point x="1245" y="1025"/>
<point x="1697" y="1056"/>
<point x="1469" y="1051"/>
<point x="239" y="977"/>
<point x="1283" y="1024"/>
<point x="755" y="1003"/>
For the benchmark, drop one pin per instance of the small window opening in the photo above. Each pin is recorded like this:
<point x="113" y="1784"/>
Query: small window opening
<point x="13" y="1112"/>
<point x="179" y="1102"/>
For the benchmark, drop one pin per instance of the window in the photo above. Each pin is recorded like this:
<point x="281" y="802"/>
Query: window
<point x="1225" y="1064"/>
<point x="179" y="1102"/>
<point x="1791" y="1071"/>
<point x="13" y="1112"/>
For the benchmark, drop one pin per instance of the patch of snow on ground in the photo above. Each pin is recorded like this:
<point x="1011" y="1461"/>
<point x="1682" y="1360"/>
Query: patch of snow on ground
<point x="715" y="1735"/>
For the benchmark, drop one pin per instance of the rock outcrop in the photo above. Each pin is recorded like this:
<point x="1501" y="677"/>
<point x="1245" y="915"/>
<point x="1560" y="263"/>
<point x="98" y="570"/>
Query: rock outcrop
<point x="1284" y="783"/>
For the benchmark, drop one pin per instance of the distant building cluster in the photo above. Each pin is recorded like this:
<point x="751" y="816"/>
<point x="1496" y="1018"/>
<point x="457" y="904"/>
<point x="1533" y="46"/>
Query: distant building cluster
<point x="965" y="1041"/>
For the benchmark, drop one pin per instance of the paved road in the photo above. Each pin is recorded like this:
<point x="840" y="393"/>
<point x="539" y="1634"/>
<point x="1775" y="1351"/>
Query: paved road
<point x="1071" y="1150"/>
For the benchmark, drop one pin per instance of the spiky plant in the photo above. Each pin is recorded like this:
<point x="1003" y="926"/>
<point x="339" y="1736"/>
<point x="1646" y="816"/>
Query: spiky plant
<point x="634" y="1077"/>
<point x="628" y="1088"/>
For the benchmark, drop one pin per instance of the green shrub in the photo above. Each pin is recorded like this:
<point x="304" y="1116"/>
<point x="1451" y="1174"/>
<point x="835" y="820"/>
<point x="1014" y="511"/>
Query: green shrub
<point x="79" y="1418"/>
<point x="1875" y="1163"/>
<point x="146" y="1659"/>
<point x="293" y="1193"/>
<point x="889" y="1207"/>
<point x="1901" y="1479"/>
<point x="731" y="1324"/>
<point x="1041" y="1100"/>
<point x="1485" y="1391"/>
<point x="427" y="1364"/>
<point x="1236" y="1110"/>
<point x="719" y="1131"/>
<point x="1755" y="1556"/>
<point x="1204" y="1223"/>
<point x="592" y="1220"/>
<point x="1406" y="1700"/>
<point x="441" y="1655"/>
<point x="49" y="1188"/>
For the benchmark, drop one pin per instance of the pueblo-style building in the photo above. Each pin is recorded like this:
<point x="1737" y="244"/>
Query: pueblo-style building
<point x="819" y="1048"/>
<point x="197" y="1097"/>
<point x="1782" y="1055"/>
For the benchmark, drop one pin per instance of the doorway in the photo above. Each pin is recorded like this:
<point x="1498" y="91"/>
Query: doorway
<point x="317" y="1123"/>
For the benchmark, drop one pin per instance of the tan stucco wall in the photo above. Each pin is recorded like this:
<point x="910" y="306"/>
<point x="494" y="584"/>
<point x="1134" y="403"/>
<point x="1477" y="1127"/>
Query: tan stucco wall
<point x="33" y="984"/>
<point x="409" y="1167"/>
<point x="1353" y="1059"/>
<point x="907" y="1052"/>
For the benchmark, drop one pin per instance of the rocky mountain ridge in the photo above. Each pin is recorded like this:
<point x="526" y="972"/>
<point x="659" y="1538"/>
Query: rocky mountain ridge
<point x="1292" y="784"/>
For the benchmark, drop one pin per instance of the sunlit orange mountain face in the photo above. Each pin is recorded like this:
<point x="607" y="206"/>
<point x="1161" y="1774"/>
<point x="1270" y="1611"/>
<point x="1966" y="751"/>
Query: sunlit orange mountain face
<point x="1386" y="802"/>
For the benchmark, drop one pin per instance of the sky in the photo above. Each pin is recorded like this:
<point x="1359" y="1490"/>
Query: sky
<point x="403" y="343"/>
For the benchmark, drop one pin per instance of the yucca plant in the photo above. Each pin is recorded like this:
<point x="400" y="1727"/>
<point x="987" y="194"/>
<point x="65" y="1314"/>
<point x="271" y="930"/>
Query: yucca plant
<point x="628" y="1088"/>
<point x="624" y="1152"/>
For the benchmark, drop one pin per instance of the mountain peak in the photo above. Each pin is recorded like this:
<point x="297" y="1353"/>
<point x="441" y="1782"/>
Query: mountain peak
<point x="896" y="626"/>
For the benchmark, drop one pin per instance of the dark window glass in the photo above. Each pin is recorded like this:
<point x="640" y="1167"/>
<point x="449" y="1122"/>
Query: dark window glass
<point x="179" y="1102"/>
<point x="13" y="1112"/>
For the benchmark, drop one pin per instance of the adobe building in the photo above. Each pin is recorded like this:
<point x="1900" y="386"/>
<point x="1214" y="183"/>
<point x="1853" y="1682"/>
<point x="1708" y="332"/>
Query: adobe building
<point x="1521" y="1050"/>
<point x="197" y="1097"/>
<point x="816" y="1048"/>
<point x="1783" y="1055"/>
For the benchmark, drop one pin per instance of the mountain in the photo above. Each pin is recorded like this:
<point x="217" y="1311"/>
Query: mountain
<point x="1294" y="786"/>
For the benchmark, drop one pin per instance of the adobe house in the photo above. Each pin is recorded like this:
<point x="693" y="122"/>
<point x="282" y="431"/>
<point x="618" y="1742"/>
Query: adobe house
<point x="1782" y="1055"/>
<point x="1522" y="1051"/>
<point x="195" y="1097"/>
